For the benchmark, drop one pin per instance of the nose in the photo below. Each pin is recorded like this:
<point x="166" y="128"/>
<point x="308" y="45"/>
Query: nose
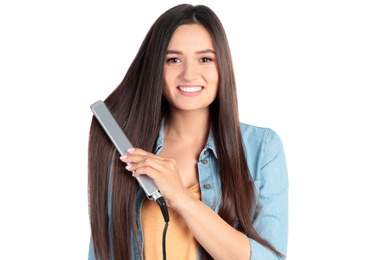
<point x="190" y="71"/>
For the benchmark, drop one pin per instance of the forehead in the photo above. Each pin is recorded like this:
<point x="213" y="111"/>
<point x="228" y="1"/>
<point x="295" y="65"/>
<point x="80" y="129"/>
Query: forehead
<point x="191" y="36"/>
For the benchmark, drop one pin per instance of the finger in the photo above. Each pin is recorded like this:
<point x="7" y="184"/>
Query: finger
<point x="135" y="154"/>
<point x="138" y="155"/>
<point x="155" y="169"/>
<point x="147" y="162"/>
<point x="139" y="151"/>
<point x="147" y="170"/>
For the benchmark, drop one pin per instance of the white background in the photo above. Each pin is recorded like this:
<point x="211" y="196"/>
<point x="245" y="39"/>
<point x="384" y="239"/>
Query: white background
<point x="317" y="72"/>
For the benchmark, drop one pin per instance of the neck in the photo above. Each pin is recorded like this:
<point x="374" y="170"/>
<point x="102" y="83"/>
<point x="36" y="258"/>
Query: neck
<point x="188" y="126"/>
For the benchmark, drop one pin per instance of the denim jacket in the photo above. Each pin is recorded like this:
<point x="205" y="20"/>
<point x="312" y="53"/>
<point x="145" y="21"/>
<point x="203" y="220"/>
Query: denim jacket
<point x="267" y="166"/>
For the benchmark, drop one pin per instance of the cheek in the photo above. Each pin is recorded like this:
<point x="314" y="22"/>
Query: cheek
<point x="212" y="75"/>
<point x="215" y="81"/>
<point x="168" y="78"/>
<point x="166" y="83"/>
<point x="213" y="78"/>
<point x="167" y="91"/>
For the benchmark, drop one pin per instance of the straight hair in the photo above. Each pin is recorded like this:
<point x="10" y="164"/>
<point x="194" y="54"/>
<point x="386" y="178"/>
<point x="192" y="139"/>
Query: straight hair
<point x="139" y="98"/>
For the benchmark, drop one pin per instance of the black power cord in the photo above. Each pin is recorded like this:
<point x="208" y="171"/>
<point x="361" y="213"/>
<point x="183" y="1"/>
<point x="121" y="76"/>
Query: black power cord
<point x="164" y="211"/>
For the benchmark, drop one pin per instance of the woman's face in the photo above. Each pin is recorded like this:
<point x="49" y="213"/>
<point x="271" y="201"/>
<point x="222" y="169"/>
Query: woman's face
<point x="190" y="70"/>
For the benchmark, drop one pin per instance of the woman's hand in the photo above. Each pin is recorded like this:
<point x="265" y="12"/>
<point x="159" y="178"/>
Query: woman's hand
<point x="162" y="170"/>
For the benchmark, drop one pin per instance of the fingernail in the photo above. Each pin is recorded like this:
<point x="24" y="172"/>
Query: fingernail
<point x="128" y="166"/>
<point x="123" y="157"/>
<point x="130" y="150"/>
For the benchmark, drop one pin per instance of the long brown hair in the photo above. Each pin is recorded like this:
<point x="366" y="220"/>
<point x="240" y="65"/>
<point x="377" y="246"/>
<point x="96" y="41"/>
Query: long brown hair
<point x="139" y="107"/>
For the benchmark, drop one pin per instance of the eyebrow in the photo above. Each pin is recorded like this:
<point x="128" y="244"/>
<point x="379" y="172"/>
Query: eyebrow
<point x="197" y="52"/>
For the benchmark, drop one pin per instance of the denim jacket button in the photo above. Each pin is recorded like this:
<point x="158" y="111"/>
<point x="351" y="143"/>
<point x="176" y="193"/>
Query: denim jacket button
<point x="207" y="186"/>
<point x="204" y="161"/>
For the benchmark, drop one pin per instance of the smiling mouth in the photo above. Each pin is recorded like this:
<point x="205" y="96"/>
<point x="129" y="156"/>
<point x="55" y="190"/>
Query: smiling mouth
<point x="190" y="89"/>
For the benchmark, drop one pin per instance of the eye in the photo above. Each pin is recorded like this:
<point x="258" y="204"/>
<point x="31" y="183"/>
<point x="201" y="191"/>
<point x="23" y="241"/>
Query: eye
<point x="173" y="60"/>
<point x="206" y="59"/>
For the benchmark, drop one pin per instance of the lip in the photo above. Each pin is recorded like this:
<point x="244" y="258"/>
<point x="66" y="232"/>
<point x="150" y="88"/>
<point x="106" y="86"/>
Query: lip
<point x="190" y="90"/>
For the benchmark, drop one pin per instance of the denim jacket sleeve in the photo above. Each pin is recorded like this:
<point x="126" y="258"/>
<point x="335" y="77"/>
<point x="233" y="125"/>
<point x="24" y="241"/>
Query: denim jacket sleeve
<point x="91" y="253"/>
<point x="268" y="167"/>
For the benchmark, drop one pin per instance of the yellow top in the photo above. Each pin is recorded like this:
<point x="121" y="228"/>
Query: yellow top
<point x="180" y="243"/>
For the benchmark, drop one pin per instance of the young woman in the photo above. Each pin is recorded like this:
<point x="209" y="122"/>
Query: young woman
<point x="225" y="182"/>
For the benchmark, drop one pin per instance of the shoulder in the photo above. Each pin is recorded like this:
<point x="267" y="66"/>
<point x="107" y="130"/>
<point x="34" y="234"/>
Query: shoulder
<point x="262" y="145"/>
<point x="252" y="129"/>
<point x="257" y="136"/>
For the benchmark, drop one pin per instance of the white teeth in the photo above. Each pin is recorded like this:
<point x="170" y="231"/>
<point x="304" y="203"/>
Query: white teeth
<point x="190" y="89"/>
